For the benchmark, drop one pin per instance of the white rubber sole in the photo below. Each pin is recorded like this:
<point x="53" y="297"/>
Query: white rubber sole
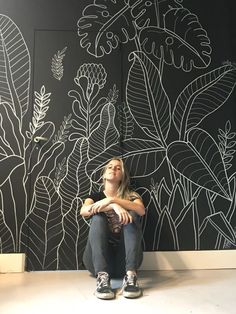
<point x="132" y="295"/>
<point x="104" y="296"/>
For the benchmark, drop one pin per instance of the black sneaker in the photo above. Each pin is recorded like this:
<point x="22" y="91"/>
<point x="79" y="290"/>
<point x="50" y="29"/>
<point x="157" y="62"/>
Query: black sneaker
<point x="130" y="287"/>
<point x="103" y="290"/>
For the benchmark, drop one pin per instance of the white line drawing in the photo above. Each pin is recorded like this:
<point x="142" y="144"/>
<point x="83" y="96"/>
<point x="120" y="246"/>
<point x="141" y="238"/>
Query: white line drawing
<point x="45" y="222"/>
<point x="226" y="145"/>
<point x="16" y="67"/>
<point x="182" y="42"/>
<point x="57" y="67"/>
<point x="175" y="38"/>
<point x="41" y="107"/>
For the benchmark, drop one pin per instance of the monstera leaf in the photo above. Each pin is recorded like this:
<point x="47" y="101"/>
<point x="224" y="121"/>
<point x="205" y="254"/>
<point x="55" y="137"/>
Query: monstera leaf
<point x="15" y="67"/>
<point x="203" y="96"/>
<point x="104" y="25"/>
<point x="200" y="161"/>
<point x="146" y="97"/>
<point x="182" y="42"/>
<point x="143" y="11"/>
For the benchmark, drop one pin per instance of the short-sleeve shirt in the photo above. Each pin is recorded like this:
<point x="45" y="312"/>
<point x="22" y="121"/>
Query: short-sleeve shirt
<point x="112" y="217"/>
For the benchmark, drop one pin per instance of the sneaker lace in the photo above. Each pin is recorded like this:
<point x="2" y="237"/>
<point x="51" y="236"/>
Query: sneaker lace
<point x="131" y="280"/>
<point x="103" y="279"/>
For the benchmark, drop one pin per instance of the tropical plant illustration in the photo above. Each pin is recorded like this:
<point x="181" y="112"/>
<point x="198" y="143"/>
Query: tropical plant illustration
<point x="163" y="141"/>
<point x="197" y="166"/>
<point x="57" y="67"/>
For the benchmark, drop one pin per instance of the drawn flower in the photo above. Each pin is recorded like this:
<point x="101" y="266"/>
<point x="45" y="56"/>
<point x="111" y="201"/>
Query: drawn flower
<point x="96" y="77"/>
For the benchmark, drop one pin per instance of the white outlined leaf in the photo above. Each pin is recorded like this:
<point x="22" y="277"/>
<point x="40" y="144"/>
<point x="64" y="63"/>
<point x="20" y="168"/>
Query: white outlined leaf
<point x="44" y="225"/>
<point x="15" y="67"/>
<point x="200" y="161"/>
<point x="182" y="42"/>
<point x="203" y="96"/>
<point x="98" y="24"/>
<point x="146" y="97"/>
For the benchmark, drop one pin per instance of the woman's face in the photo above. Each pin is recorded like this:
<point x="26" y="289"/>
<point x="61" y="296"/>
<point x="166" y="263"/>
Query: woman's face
<point x="113" y="171"/>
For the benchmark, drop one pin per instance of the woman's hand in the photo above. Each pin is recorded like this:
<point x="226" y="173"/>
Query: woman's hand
<point x="124" y="216"/>
<point x="100" y="206"/>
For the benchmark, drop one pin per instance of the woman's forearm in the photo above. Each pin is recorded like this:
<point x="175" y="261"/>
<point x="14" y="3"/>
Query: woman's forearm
<point x="136" y="205"/>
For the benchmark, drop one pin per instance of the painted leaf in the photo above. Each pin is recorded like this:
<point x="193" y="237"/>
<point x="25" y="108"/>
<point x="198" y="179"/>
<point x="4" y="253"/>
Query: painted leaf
<point x="187" y="224"/>
<point x="163" y="193"/>
<point x="126" y="122"/>
<point x="220" y="224"/>
<point x="74" y="240"/>
<point x="57" y="67"/>
<point x="146" y="97"/>
<point x="177" y="199"/>
<point x="33" y="152"/>
<point x="203" y="96"/>
<point x="6" y="237"/>
<point x="15" y="67"/>
<point x="104" y="25"/>
<point x="42" y="231"/>
<point x="7" y="166"/>
<point x="48" y="161"/>
<point x="76" y="180"/>
<point x="165" y="236"/>
<point x="106" y="133"/>
<point x="182" y="42"/>
<point x="143" y="11"/>
<point x="200" y="161"/>
<point x="10" y="127"/>
<point x="143" y="157"/>
<point x="150" y="219"/>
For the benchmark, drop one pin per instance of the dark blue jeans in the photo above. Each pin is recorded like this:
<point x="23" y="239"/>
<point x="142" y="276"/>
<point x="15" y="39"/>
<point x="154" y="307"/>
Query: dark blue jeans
<point x="105" y="253"/>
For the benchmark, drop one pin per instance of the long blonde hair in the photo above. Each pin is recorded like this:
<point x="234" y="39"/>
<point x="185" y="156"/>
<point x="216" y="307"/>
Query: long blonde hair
<point x="124" y="187"/>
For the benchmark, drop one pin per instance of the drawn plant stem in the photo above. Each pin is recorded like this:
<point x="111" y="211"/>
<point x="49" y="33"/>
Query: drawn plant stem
<point x="88" y="119"/>
<point x="137" y="43"/>
<point x="157" y="9"/>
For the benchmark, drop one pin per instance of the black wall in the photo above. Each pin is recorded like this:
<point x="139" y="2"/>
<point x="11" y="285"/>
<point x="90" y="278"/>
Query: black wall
<point x="82" y="81"/>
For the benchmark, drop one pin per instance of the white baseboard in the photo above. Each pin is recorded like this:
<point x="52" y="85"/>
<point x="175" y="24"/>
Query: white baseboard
<point x="12" y="263"/>
<point x="177" y="260"/>
<point x="174" y="260"/>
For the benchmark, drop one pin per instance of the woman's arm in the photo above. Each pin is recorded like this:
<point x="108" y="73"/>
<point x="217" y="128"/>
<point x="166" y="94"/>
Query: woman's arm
<point x="136" y="205"/>
<point x="85" y="210"/>
<point x="90" y="208"/>
<point x="106" y="204"/>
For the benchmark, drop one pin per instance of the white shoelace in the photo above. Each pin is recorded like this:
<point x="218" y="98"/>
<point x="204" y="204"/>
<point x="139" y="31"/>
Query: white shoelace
<point x="104" y="279"/>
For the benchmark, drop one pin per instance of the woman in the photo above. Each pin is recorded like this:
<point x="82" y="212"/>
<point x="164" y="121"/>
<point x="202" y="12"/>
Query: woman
<point x="114" y="246"/>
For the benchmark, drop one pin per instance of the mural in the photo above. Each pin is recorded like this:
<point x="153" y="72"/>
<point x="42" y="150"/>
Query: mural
<point x="184" y="171"/>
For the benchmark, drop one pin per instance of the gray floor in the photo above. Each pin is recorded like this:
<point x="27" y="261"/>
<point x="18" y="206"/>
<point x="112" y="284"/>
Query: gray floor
<point x="192" y="291"/>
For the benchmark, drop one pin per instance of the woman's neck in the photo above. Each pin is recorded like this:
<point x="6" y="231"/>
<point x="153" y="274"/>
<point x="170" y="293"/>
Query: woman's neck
<point x="110" y="189"/>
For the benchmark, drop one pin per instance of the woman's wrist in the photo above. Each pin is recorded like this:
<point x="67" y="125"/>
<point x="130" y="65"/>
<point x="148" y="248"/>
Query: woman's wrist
<point x="111" y="200"/>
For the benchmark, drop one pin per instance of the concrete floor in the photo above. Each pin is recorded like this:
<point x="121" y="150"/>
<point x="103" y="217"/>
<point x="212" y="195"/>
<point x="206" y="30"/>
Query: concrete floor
<point x="164" y="292"/>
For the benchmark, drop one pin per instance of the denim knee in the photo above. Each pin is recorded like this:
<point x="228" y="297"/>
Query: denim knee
<point x="98" y="227"/>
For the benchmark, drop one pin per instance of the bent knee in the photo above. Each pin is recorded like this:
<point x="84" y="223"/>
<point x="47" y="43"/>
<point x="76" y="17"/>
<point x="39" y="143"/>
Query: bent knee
<point x="99" y="219"/>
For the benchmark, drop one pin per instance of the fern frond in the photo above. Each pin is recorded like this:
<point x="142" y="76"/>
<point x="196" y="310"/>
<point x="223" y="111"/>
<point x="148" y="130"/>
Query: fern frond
<point x="226" y="143"/>
<point x="63" y="132"/>
<point x="41" y="107"/>
<point x="57" y="64"/>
